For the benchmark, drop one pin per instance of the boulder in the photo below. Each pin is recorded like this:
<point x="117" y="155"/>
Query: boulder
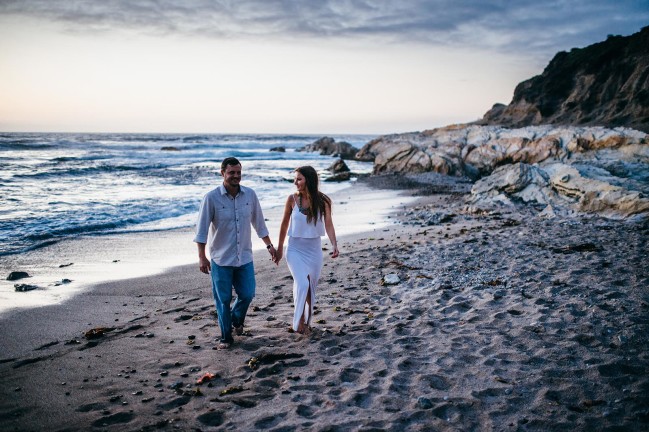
<point x="25" y="287"/>
<point x="593" y="195"/>
<point x="561" y="188"/>
<point x="339" y="177"/>
<point x="338" y="166"/>
<point x="279" y="149"/>
<point x="16" y="275"/>
<point x="511" y="179"/>
<point x="329" y="146"/>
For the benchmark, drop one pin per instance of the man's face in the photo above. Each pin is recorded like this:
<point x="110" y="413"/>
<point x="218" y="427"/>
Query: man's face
<point x="232" y="175"/>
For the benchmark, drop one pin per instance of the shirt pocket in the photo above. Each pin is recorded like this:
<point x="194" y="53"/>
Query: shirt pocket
<point x="224" y="214"/>
<point x="245" y="213"/>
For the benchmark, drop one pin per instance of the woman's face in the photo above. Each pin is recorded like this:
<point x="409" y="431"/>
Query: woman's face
<point x="299" y="182"/>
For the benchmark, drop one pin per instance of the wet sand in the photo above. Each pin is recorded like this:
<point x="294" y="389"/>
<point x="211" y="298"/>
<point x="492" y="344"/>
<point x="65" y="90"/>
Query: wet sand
<point x="443" y="320"/>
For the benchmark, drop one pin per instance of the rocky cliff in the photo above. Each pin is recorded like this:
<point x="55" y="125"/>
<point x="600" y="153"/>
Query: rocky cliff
<point x="567" y="170"/>
<point x="605" y="84"/>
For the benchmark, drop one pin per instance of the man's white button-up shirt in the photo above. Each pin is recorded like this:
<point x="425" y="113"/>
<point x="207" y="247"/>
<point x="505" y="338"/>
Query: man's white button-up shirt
<point x="224" y="224"/>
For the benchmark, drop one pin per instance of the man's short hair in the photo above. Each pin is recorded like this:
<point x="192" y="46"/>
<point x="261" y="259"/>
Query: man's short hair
<point x="229" y="161"/>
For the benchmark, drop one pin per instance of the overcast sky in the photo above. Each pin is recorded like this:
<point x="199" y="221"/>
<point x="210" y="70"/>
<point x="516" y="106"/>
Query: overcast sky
<point x="281" y="66"/>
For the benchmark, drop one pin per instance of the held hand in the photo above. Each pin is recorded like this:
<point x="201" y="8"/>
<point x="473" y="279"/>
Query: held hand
<point x="273" y="253"/>
<point x="278" y="256"/>
<point x="204" y="265"/>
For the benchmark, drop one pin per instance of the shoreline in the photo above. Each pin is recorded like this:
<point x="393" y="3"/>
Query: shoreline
<point x="90" y="260"/>
<point x="502" y="321"/>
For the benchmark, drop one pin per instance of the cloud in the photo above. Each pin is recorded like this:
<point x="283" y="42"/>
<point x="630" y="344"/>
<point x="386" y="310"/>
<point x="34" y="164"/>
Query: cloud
<point x="523" y="25"/>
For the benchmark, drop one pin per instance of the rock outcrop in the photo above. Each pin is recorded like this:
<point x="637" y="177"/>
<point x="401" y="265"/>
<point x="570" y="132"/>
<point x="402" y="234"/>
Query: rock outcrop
<point x="604" y="171"/>
<point x="16" y="275"/>
<point x="475" y="151"/>
<point x="605" y="84"/>
<point x="559" y="188"/>
<point x="329" y="146"/>
<point x="338" y="166"/>
<point x="339" y="172"/>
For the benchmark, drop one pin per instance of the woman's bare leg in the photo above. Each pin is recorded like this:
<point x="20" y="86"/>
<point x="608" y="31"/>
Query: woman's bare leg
<point x="303" y="327"/>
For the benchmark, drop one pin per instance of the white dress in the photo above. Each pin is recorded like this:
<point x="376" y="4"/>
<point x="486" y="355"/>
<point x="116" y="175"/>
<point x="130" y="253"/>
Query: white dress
<point x="304" y="259"/>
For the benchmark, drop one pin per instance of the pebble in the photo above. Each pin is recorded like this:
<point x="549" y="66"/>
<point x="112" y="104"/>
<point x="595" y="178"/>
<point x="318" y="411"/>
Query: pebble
<point x="391" y="279"/>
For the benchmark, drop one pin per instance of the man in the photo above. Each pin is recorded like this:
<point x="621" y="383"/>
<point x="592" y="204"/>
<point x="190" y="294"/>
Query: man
<point x="224" y="221"/>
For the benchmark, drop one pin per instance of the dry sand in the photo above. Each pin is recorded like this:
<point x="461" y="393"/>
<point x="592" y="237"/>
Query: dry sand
<point x="498" y="322"/>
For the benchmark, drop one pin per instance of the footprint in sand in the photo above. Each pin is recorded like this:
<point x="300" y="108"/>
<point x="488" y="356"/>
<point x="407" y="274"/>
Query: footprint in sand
<point x="213" y="418"/>
<point x="113" y="419"/>
<point x="269" y="421"/>
<point x="436" y="382"/>
<point x="350" y="375"/>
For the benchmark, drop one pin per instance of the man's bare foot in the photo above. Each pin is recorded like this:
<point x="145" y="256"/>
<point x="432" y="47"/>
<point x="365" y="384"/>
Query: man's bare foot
<point x="238" y="330"/>
<point x="222" y="346"/>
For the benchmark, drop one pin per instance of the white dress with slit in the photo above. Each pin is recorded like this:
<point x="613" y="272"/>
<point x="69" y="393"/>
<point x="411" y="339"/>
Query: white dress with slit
<point x="304" y="259"/>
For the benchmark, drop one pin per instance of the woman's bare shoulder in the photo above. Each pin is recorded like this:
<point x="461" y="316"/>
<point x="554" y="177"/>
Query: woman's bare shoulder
<point x="290" y="199"/>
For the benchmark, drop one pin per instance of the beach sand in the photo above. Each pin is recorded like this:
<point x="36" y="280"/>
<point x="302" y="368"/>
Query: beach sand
<point x="442" y="320"/>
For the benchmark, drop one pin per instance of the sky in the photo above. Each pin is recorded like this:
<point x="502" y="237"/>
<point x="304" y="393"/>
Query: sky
<point x="281" y="66"/>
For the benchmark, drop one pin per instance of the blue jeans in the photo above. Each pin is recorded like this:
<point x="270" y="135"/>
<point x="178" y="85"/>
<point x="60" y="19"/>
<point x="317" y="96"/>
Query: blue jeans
<point x="224" y="278"/>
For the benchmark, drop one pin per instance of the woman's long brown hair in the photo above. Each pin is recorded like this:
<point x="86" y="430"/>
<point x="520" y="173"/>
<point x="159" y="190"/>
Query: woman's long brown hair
<point x="318" y="201"/>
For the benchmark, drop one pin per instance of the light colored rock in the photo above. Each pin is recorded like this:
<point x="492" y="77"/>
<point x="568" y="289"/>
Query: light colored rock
<point x="561" y="187"/>
<point x="576" y="169"/>
<point x="464" y="150"/>
<point x="510" y="179"/>
<point x="548" y="212"/>
<point x="391" y="279"/>
<point x="594" y="194"/>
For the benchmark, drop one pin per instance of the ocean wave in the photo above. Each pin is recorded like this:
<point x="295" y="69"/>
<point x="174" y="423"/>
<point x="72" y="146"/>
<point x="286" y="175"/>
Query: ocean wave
<point x="67" y="185"/>
<point x="79" y="172"/>
<point x="18" y="249"/>
<point x="25" y="145"/>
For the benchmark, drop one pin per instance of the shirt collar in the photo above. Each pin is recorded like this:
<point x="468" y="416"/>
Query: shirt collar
<point x="224" y="191"/>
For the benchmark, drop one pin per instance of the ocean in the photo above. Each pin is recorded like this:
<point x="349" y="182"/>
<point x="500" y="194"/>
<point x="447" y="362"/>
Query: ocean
<point x="56" y="186"/>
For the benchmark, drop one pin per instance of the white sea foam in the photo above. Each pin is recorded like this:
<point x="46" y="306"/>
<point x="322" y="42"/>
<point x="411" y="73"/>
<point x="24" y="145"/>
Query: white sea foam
<point x="59" y="186"/>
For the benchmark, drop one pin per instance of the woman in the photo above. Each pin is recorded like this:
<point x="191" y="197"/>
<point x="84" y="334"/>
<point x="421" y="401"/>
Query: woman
<point x="307" y="215"/>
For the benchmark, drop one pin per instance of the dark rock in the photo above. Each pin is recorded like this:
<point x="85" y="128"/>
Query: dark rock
<point x="329" y="146"/>
<point x="278" y="149"/>
<point x="343" y="176"/>
<point x="63" y="282"/>
<point x="602" y="84"/>
<point x="25" y="287"/>
<point x="338" y="167"/>
<point x="176" y="385"/>
<point x="15" y="275"/>
<point x="169" y="148"/>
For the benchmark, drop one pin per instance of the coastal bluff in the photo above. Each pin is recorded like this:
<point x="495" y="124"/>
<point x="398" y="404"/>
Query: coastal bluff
<point x="572" y="141"/>
<point x="604" y="84"/>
